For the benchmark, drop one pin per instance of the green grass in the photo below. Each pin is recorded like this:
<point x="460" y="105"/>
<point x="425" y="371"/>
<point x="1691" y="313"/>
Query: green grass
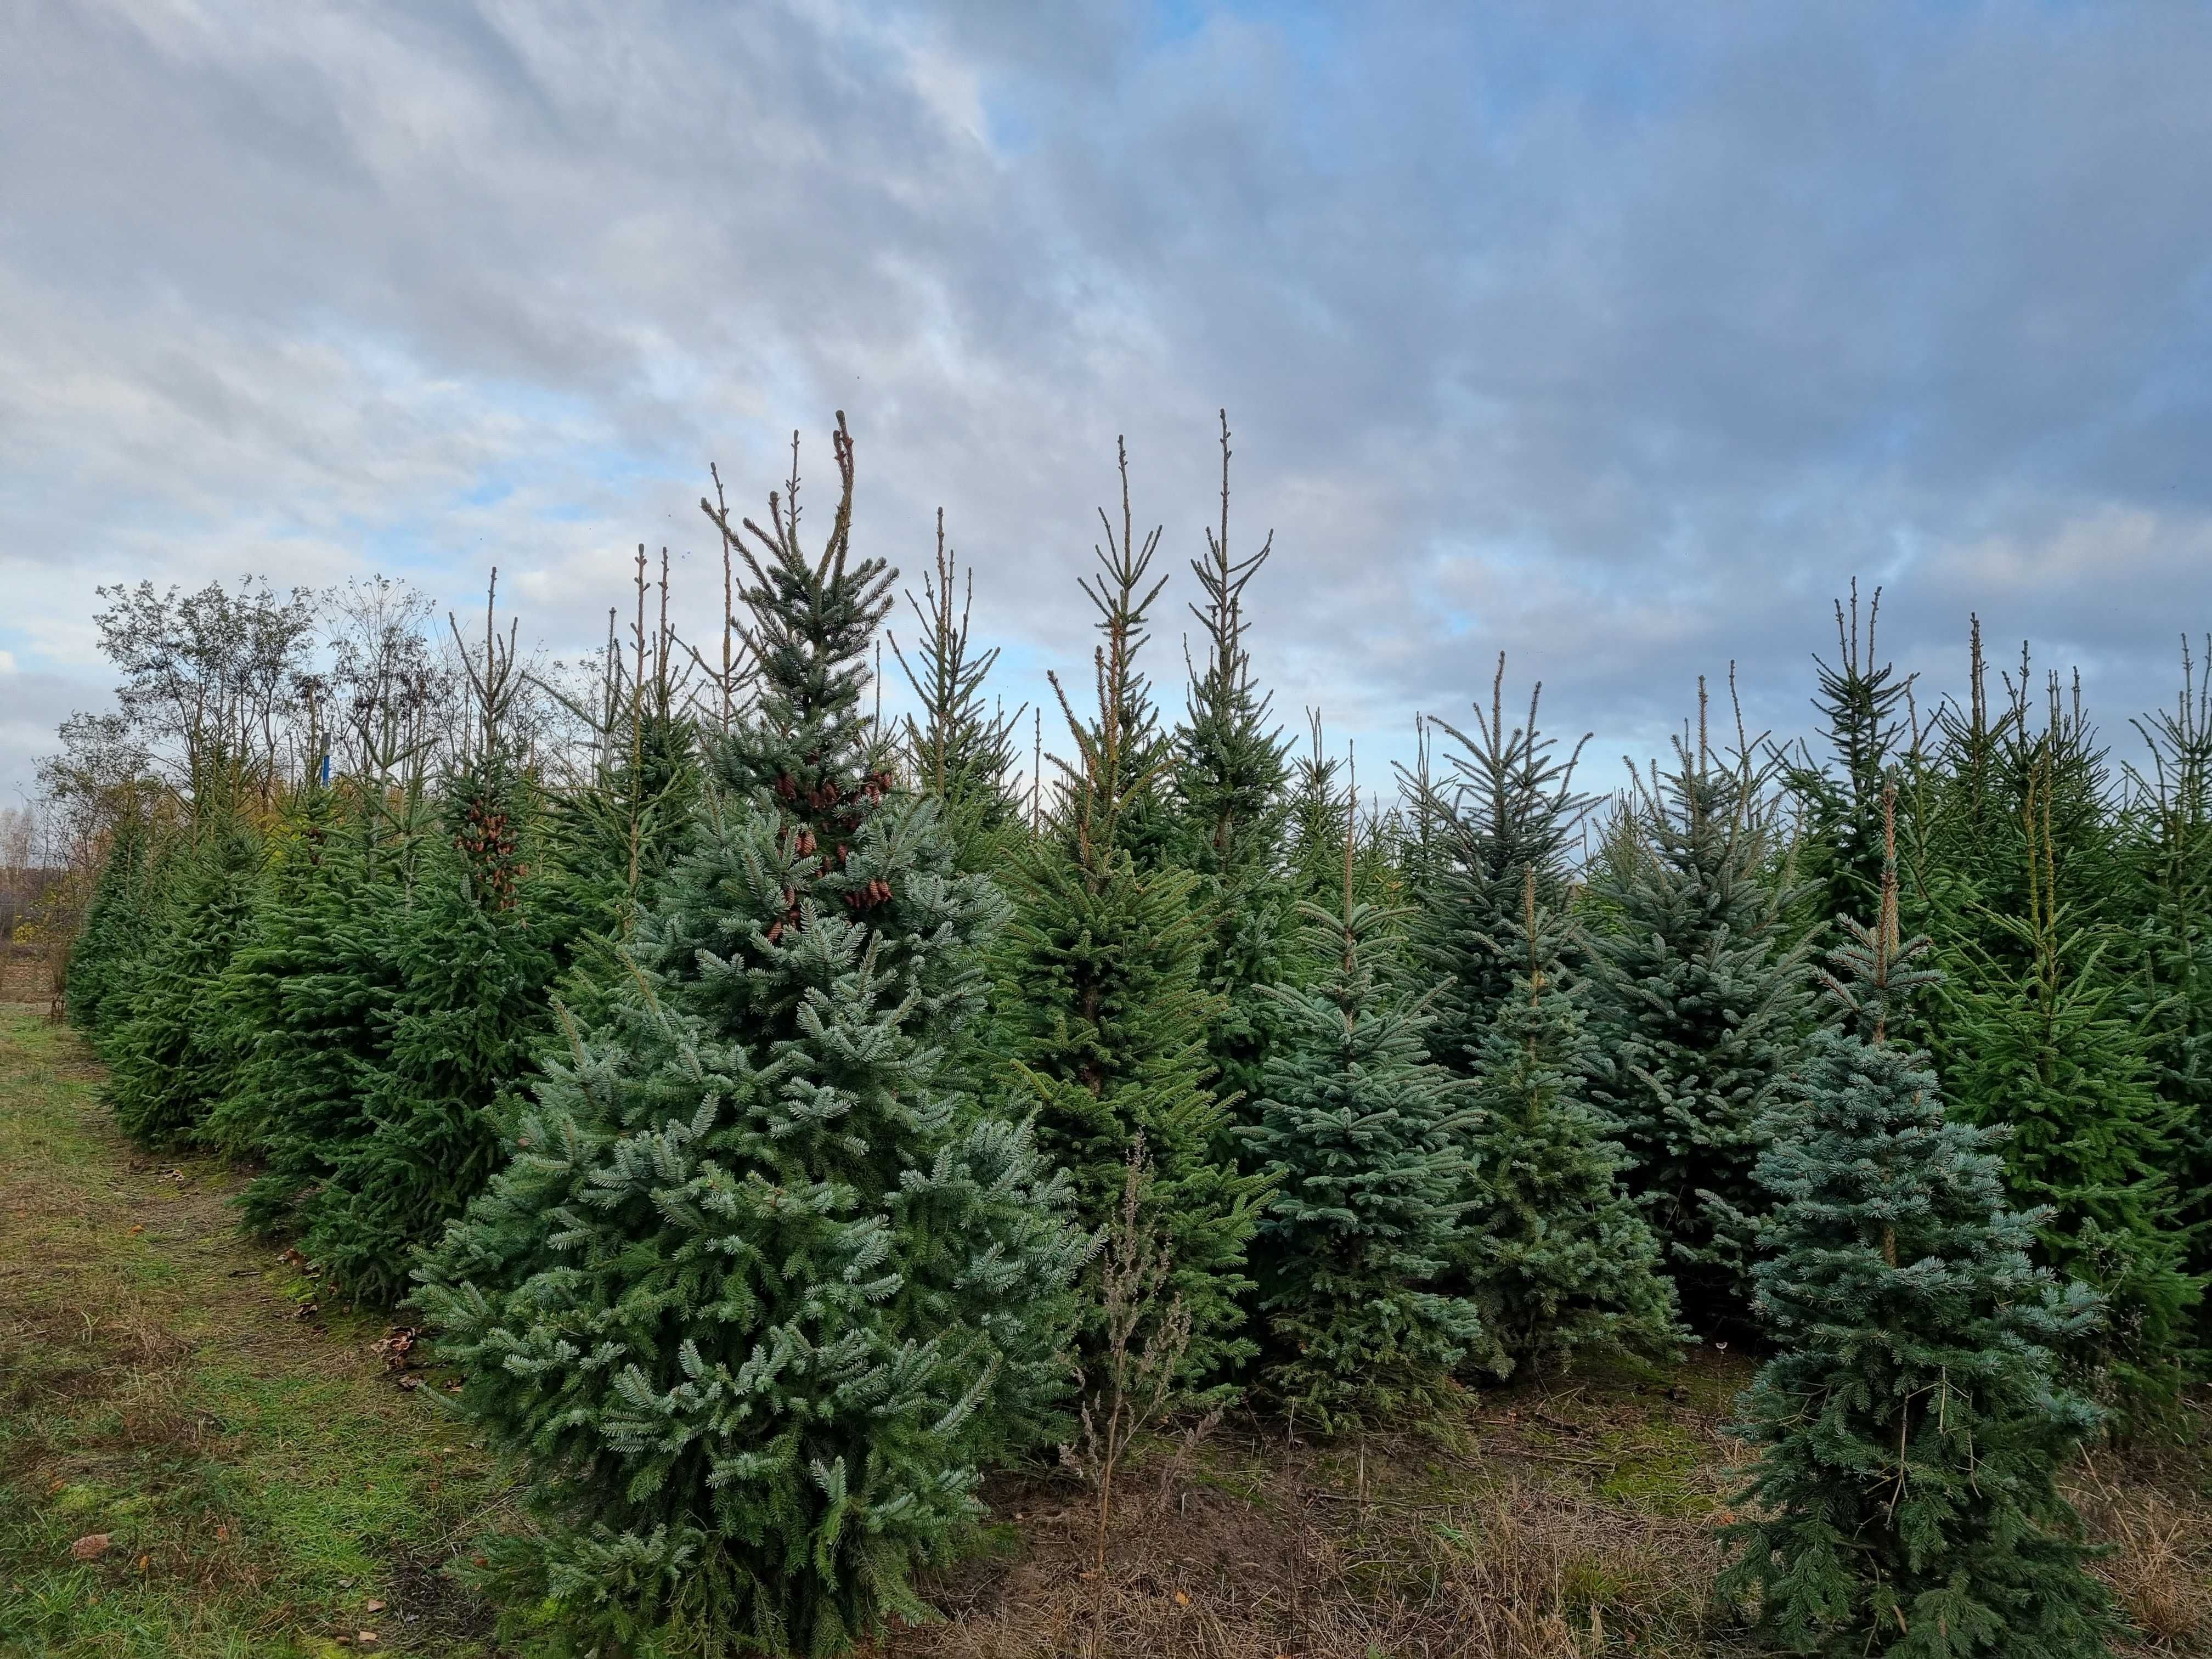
<point x="260" y="1476"/>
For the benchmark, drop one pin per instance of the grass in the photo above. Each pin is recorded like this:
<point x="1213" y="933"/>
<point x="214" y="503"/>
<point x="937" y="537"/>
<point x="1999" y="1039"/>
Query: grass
<point x="263" y="1482"/>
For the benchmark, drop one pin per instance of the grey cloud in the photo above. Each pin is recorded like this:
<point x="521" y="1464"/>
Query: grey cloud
<point x="1619" y="343"/>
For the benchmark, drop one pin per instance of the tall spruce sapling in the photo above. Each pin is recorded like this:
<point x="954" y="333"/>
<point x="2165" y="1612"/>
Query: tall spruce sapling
<point x="1559" y="1256"/>
<point x="314" y="986"/>
<point x="1911" y="1428"/>
<point x="476" y="955"/>
<point x="1508" y="809"/>
<point x="1106" y="1010"/>
<point x="2170" y="864"/>
<point x="757" y="1296"/>
<point x="1699" y="1002"/>
<point x="1229" y="773"/>
<point x="110" y="948"/>
<point x="961" y="747"/>
<point x="1314" y="834"/>
<point x="172" y="1059"/>
<point x="2049" y="1047"/>
<point x="1859" y="701"/>
<point x="608" y="832"/>
<point x="1366" y="1143"/>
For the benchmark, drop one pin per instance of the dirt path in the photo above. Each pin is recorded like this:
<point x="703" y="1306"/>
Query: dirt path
<point x="262" y="1484"/>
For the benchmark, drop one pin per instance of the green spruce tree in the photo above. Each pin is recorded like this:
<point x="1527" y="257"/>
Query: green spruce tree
<point x="174" y="1058"/>
<point x="1229" y="776"/>
<point x="474" y="954"/>
<point x="757" y="1296"/>
<point x="1106" y="1011"/>
<point x="607" y="832"/>
<point x="1366" y="1142"/>
<point x="313" y="988"/>
<point x="1840" y="795"/>
<point x="1313" y="833"/>
<point x="1560" y="1257"/>
<point x="2048" y="1046"/>
<point x="1507" y="809"/>
<point x="108" y="958"/>
<point x="960" y="749"/>
<point x="1698" y="1004"/>
<point x="2169" y="858"/>
<point x="1911" y="1427"/>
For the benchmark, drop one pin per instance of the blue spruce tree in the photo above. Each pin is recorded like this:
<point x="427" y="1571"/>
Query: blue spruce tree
<point x="757" y="1297"/>
<point x="1911" y="1426"/>
<point x="1366" y="1143"/>
<point x="1560" y="1257"/>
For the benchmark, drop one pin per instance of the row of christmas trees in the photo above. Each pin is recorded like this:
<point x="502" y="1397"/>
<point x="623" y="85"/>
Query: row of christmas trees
<point x="744" y="1110"/>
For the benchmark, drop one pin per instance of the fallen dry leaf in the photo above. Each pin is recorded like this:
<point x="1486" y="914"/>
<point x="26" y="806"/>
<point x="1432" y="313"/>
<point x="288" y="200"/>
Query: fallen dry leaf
<point x="1181" y="1600"/>
<point x="364" y="1636"/>
<point x="92" y="1544"/>
<point x="375" y="1605"/>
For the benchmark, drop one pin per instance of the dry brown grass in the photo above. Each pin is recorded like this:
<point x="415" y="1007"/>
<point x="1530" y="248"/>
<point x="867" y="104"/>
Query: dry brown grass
<point x="2153" y="1507"/>
<point x="1545" y="1525"/>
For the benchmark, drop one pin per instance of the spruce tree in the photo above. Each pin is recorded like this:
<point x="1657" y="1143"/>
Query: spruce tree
<point x="1698" y="1005"/>
<point x="110" y="948"/>
<point x="1365" y="1143"/>
<point x="1560" y="1257"/>
<point x="961" y="749"/>
<point x="756" y="1295"/>
<point x="173" y="1059"/>
<point x="607" y="834"/>
<point x="2170" y="914"/>
<point x="1313" y="833"/>
<point x="1229" y="774"/>
<point x="1106" y="1011"/>
<point x="474" y="954"/>
<point x="313" y="985"/>
<point x="1508" y="810"/>
<point x="1911" y="1426"/>
<point x="2048" y="1047"/>
<point x="1840" y="795"/>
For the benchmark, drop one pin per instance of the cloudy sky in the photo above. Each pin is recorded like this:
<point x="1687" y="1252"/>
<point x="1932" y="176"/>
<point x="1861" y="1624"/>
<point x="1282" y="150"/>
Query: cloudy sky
<point x="1619" y="337"/>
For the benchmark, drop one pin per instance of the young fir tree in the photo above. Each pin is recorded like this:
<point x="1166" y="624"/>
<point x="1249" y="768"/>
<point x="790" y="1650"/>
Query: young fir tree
<point x="757" y="1296"/>
<point x="1508" y="811"/>
<point x="2047" y="1046"/>
<point x="314" y="984"/>
<point x="1698" y="1006"/>
<point x="1314" y="832"/>
<point x="1107" y="1011"/>
<point x="475" y="955"/>
<point x="1366" y="1143"/>
<point x="1911" y="1427"/>
<point x="606" y="839"/>
<point x="173" y="1058"/>
<point x="1560" y="1256"/>
<point x="1840" y="797"/>
<point x="1229" y="774"/>
<point x="2170" y="861"/>
<point x="111" y="946"/>
<point x="961" y="749"/>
